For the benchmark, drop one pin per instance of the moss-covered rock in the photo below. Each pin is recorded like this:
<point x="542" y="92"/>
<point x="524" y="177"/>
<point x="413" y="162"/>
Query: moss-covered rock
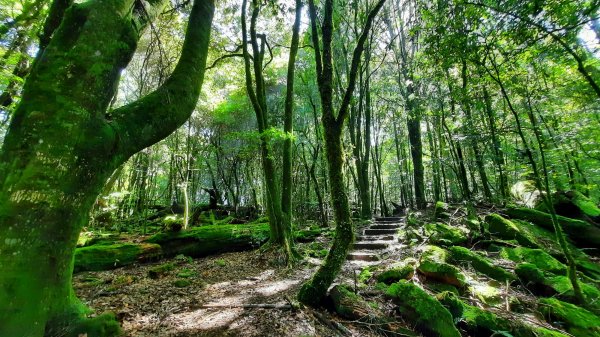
<point x="464" y="256"/>
<point x="105" y="257"/>
<point x="425" y="311"/>
<point x="487" y="293"/>
<point x="181" y="283"/>
<point x="577" y="321"/>
<point x="443" y="234"/>
<point x="479" y="322"/>
<point x="160" y="270"/>
<point x="508" y="230"/>
<point x="537" y="257"/>
<point x="206" y="240"/>
<point x="441" y="210"/>
<point x="581" y="232"/>
<point x="573" y="204"/>
<point x="351" y="306"/>
<point x="433" y="264"/>
<point x="393" y="275"/>
<point x="548" y="284"/>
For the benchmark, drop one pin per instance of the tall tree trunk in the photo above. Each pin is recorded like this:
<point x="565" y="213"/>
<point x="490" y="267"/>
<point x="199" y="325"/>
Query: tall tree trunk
<point x="286" y="182"/>
<point x="49" y="182"/>
<point x="498" y="157"/>
<point x="473" y="141"/>
<point x="313" y="291"/>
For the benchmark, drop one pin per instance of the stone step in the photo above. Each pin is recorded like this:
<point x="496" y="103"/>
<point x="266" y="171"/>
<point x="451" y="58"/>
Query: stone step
<point x="389" y="219"/>
<point x="376" y="238"/>
<point x="371" y="245"/>
<point x="380" y="231"/>
<point x="388" y="226"/>
<point x="359" y="256"/>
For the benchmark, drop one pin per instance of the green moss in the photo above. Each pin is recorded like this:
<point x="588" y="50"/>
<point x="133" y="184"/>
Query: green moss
<point x="221" y="262"/>
<point x="479" y="322"/>
<point x="160" y="270"/>
<point x="104" y="325"/>
<point x="438" y="287"/>
<point x="529" y="273"/>
<point x="578" y="321"/>
<point x="548" y="284"/>
<point x="181" y="283"/>
<point x="186" y="273"/>
<point x="396" y="274"/>
<point x="486" y="293"/>
<point x="308" y="235"/>
<point x="508" y="230"/>
<point x="206" y="240"/>
<point x="440" y="233"/>
<point x="104" y="257"/>
<point x="433" y="264"/>
<point x="365" y="275"/>
<point x="424" y="310"/>
<point x="441" y="210"/>
<point x="580" y="232"/>
<point x="481" y="264"/>
<point x="537" y="257"/>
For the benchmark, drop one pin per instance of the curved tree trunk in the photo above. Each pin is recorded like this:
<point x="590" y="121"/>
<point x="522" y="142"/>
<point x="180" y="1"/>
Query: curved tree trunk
<point x="62" y="146"/>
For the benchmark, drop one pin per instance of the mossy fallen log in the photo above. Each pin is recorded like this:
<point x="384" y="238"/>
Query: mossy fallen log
<point x="580" y="232"/>
<point x="577" y="321"/>
<point x="547" y="284"/>
<point x="212" y="239"/>
<point x="420" y="308"/>
<point x="479" y="322"/>
<point x="105" y="257"/>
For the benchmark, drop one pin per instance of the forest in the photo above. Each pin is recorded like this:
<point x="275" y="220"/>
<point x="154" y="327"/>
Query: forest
<point x="299" y="168"/>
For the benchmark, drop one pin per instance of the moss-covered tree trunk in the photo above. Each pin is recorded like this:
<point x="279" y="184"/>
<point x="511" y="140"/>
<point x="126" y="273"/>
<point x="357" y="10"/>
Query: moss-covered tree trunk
<point x="280" y="223"/>
<point x="62" y="146"/>
<point x="313" y="291"/>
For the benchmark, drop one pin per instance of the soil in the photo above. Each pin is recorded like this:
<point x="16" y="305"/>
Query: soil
<point x="158" y="307"/>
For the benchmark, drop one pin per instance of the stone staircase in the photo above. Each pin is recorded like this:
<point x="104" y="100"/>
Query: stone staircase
<point x="374" y="241"/>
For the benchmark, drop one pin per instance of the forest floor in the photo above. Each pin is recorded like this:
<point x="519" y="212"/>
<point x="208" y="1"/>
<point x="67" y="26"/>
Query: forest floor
<point x="160" y="306"/>
<point x="249" y="294"/>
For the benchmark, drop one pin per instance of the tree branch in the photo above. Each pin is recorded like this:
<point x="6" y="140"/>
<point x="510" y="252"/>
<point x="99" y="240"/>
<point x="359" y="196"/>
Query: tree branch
<point x="155" y="116"/>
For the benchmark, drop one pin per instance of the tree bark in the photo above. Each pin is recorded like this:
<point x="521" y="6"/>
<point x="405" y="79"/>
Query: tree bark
<point x="50" y="182"/>
<point x="313" y="292"/>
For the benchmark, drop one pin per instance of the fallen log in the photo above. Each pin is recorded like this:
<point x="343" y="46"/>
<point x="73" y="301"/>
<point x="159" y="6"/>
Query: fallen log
<point x="111" y="256"/>
<point x="581" y="232"/>
<point x="212" y="239"/>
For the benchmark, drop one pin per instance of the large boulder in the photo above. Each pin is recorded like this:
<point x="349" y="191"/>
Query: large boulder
<point x="417" y="306"/>
<point x="442" y="234"/>
<point x="434" y="265"/>
<point x="573" y="204"/>
<point x="508" y="230"/>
